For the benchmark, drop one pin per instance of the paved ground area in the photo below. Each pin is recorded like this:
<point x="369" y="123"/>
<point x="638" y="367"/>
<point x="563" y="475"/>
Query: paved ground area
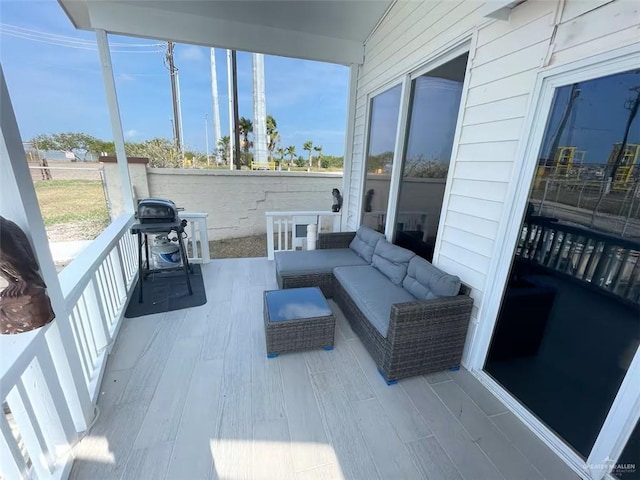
<point x="191" y="394"/>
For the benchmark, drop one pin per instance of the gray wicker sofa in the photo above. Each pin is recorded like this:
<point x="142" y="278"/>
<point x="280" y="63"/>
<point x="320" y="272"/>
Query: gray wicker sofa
<point x="411" y="316"/>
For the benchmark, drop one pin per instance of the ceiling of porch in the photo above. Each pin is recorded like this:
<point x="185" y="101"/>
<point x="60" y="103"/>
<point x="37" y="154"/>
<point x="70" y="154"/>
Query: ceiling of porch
<point x="328" y="31"/>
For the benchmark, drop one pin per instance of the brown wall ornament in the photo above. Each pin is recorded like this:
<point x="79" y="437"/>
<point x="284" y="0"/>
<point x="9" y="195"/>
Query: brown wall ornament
<point x="24" y="304"/>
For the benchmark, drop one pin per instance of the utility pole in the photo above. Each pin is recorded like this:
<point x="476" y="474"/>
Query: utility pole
<point x="206" y="136"/>
<point x="216" y="106"/>
<point x="232" y="136"/>
<point x="236" y="115"/>
<point x="179" y="104"/>
<point x="260" y="155"/>
<point x="173" y="72"/>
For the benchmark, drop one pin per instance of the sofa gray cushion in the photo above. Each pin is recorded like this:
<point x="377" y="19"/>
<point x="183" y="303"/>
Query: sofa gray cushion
<point x="373" y="293"/>
<point x="365" y="241"/>
<point x="315" y="261"/>
<point x="392" y="260"/>
<point x="427" y="282"/>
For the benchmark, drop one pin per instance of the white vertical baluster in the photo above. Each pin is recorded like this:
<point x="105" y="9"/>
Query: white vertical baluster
<point x="121" y="265"/>
<point x="204" y="240"/>
<point x="279" y="222"/>
<point x="270" y="237"/>
<point x="286" y="232"/>
<point x="96" y="312"/>
<point x="12" y="464"/>
<point x="83" y="318"/>
<point x="22" y="410"/>
<point x="106" y="291"/>
<point x="85" y="358"/>
<point x="102" y="294"/>
<point x="193" y="239"/>
<point x="49" y="375"/>
<point x="113" y="262"/>
<point x="90" y="323"/>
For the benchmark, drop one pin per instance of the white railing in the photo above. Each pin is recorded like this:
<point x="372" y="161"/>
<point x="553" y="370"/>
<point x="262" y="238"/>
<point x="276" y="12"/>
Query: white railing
<point x="95" y="287"/>
<point x="288" y="230"/>
<point x="197" y="236"/>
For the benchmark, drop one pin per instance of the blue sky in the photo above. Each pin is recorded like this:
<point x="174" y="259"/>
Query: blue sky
<point x="598" y="118"/>
<point x="57" y="89"/>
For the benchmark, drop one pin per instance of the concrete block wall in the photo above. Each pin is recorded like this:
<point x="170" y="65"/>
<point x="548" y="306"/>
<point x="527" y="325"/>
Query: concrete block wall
<point x="236" y="201"/>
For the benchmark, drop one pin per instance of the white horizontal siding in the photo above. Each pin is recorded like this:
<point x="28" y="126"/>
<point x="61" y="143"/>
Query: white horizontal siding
<point x="492" y="131"/>
<point x="575" y="8"/>
<point x="489" y="152"/>
<point x="484" y="246"/>
<point x="506" y="60"/>
<point x="505" y="109"/>
<point x="591" y="33"/>
<point x="474" y="206"/>
<point x="482" y="189"/>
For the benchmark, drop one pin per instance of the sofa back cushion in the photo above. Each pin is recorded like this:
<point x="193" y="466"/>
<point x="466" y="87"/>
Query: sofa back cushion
<point x="391" y="260"/>
<point x="426" y="282"/>
<point x="365" y="241"/>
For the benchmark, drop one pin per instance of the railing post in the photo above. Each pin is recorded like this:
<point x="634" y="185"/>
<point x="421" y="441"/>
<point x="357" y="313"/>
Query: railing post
<point x="337" y="222"/>
<point x="270" y="254"/>
<point x="204" y="240"/>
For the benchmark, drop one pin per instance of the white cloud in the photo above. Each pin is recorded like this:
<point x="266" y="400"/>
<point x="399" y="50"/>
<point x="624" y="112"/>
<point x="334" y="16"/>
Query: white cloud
<point x="191" y="52"/>
<point x="131" y="133"/>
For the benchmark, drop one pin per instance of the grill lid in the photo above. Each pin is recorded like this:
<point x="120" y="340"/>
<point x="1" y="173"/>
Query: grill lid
<point x="156" y="210"/>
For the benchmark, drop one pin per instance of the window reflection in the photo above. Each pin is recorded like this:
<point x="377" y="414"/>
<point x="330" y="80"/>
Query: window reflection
<point x="435" y="100"/>
<point x="568" y="326"/>
<point x="383" y="125"/>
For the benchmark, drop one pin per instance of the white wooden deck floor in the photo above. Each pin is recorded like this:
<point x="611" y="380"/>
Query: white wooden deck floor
<point x="191" y="395"/>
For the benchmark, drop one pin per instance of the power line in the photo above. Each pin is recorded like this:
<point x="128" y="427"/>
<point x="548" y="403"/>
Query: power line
<point x="69" y="42"/>
<point x="78" y="40"/>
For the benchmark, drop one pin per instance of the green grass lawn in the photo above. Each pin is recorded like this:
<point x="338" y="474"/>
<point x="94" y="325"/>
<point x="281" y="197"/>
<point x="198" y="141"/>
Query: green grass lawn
<point x="72" y="201"/>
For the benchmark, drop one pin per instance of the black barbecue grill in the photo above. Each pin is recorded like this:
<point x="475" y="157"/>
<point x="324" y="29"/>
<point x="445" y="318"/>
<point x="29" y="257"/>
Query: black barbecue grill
<point x="157" y="215"/>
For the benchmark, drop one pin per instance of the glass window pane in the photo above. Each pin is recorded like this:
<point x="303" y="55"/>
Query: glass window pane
<point x="568" y="324"/>
<point x="435" y="100"/>
<point x="383" y="125"/>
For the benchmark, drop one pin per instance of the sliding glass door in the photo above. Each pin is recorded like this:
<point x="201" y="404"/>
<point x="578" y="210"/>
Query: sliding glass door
<point x="383" y="125"/>
<point x="433" y="115"/>
<point x="569" y="321"/>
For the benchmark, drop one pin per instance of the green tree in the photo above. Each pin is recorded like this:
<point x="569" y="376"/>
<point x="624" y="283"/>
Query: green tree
<point x="291" y="151"/>
<point x="318" y="149"/>
<point x="245" y="126"/>
<point x="159" y="151"/>
<point x="80" y="144"/>
<point x="308" y="146"/>
<point x="273" y="137"/>
<point x="300" y="161"/>
<point x="223" y="149"/>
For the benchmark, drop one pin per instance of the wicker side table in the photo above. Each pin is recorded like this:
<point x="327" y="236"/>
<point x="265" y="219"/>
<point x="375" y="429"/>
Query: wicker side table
<point x="297" y="319"/>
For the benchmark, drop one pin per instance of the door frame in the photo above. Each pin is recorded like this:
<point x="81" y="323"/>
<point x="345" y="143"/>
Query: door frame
<point x="625" y="410"/>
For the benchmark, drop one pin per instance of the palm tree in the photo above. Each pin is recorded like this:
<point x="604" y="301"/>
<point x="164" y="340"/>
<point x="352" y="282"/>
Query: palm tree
<point x="245" y="126"/>
<point x="223" y="148"/>
<point x="318" y="148"/>
<point x="308" y="146"/>
<point x="291" y="151"/>
<point x="280" y="152"/>
<point x="273" y="137"/>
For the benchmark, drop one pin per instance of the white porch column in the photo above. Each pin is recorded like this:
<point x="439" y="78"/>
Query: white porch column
<point x="348" y="147"/>
<point x="18" y="203"/>
<point x="114" y="115"/>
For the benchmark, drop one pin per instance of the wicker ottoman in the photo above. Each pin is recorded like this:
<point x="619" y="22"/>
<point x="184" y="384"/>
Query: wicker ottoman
<point x="297" y="319"/>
